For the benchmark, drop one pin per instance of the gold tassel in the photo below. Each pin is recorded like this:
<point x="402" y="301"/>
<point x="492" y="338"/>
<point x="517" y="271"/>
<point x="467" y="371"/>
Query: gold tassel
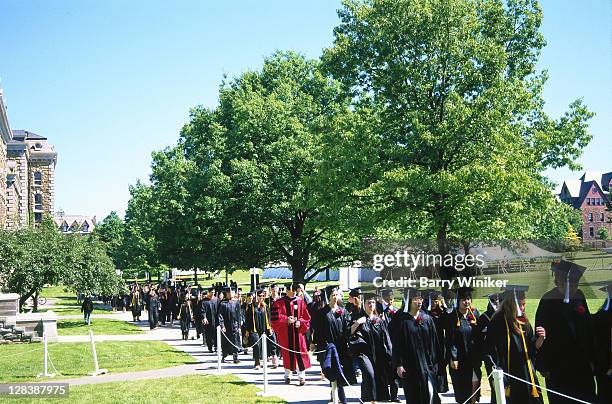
<point x="534" y="390"/>
<point x="507" y="389"/>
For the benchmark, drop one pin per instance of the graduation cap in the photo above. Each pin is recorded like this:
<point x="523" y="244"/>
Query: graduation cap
<point x="410" y="293"/>
<point x="327" y="292"/>
<point x="570" y="270"/>
<point x="515" y="292"/>
<point x="386" y="293"/>
<point x="430" y="294"/>
<point x="261" y="292"/>
<point x="463" y="292"/>
<point x="355" y="292"/>
<point x="370" y="296"/>
<point x="608" y="289"/>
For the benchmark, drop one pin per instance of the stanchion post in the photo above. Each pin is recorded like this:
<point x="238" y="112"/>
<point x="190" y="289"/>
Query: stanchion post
<point x="46" y="359"/>
<point x="264" y="358"/>
<point x="498" y="382"/>
<point x="218" y="349"/>
<point x="98" y="371"/>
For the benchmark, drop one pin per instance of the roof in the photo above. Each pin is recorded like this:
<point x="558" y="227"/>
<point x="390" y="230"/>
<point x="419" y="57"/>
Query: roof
<point x="26" y="135"/>
<point x="605" y="181"/>
<point x="573" y="187"/>
<point x="591" y="176"/>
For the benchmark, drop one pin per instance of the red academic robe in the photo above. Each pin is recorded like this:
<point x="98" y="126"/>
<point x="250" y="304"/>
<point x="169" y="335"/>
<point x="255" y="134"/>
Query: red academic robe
<point x="288" y="335"/>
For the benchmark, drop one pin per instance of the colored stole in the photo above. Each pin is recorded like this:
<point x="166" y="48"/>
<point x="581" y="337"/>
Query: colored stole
<point x="265" y="316"/>
<point x="534" y="390"/>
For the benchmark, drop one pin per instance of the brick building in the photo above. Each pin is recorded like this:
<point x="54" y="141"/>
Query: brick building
<point x="590" y="194"/>
<point x="27" y="167"/>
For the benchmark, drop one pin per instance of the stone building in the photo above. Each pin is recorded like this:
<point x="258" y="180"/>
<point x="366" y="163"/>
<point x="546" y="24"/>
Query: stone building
<point x="27" y="162"/>
<point x="590" y="194"/>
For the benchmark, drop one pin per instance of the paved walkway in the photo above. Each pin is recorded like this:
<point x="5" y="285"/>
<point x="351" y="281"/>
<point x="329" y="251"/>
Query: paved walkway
<point x="315" y="390"/>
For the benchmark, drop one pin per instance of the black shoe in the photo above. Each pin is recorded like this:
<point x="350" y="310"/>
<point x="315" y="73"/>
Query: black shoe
<point x="287" y="380"/>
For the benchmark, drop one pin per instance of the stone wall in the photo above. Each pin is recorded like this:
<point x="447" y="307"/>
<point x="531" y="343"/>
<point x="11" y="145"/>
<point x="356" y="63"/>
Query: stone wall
<point x="46" y="189"/>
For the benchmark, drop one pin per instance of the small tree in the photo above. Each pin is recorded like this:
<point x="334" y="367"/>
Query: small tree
<point x="603" y="233"/>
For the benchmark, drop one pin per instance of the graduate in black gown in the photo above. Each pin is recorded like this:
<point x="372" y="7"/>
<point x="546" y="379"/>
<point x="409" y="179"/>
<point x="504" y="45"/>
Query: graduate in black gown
<point x="565" y="356"/>
<point x="436" y="308"/>
<point x="483" y="330"/>
<point x="417" y="355"/>
<point x="461" y="344"/>
<point x="228" y="314"/>
<point x="210" y="319"/>
<point x="602" y="340"/>
<point x="512" y="343"/>
<point x="257" y="322"/>
<point x="185" y="315"/>
<point x="196" y="304"/>
<point x="370" y="343"/>
<point x="331" y="326"/>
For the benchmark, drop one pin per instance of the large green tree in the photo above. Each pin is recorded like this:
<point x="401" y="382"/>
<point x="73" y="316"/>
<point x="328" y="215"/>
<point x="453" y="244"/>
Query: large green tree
<point x="111" y="231"/>
<point x="449" y="139"/>
<point x="256" y="155"/>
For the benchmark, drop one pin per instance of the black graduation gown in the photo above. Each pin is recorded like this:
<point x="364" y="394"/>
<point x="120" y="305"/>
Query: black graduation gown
<point x="378" y="348"/>
<point x="602" y="334"/>
<point x="333" y="327"/>
<point x="565" y="357"/>
<point x="229" y="317"/>
<point x="209" y="311"/>
<point x="440" y="321"/>
<point x="257" y="321"/>
<point x="461" y="345"/>
<point x="184" y="317"/>
<point x="197" y="315"/>
<point x="497" y="346"/>
<point x="481" y="341"/>
<point x="417" y="350"/>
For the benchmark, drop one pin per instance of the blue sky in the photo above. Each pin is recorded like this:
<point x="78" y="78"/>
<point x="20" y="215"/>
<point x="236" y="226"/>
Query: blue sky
<point x="110" y="81"/>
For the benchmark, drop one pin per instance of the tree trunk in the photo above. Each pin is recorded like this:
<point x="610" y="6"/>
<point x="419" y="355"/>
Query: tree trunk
<point x="23" y="299"/>
<point x="35" y="303"/>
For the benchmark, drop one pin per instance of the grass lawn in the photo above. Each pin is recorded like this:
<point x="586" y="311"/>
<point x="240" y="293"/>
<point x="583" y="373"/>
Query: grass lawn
<point x="65" y="302"/>
<point x="98" y="325"/>
<point x="186" y="389"/>
<point x="19" y="364"/>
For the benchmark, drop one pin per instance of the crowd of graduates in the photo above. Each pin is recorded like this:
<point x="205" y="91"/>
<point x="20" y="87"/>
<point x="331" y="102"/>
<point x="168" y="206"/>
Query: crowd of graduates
<point x="415" y="345"/>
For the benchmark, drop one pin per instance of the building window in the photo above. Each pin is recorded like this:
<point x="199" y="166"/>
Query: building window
<point x="38" y="202"/>
<point x="38" y="179"/>
<point x="590" y="217"/>
<point x="65" y="227"/>
<point x="85" y="227"/>
<point x="37" y="217"/>
<point x="601" y="216"/>
<point x="588" y="201"/>
<point x="591" y="232"/>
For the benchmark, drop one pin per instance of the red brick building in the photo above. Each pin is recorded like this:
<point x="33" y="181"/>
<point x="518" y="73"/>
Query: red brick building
<point x="591" y="195"/>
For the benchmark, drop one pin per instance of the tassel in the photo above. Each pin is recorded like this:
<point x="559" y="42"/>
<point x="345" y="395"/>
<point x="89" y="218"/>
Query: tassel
<point x="519" y="312"/>
<point x="606" y="305"/>
<point x="429" y="306"/>
<point x="407" y="302"/>
<point x="566" y="299"/>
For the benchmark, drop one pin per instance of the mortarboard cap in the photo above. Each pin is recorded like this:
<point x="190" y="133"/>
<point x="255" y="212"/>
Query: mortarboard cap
<point x="464" y="292"/>
<point x="370" y="296"/>
<point x="355" y="292"/>
<point x="568" y="268"/>
<point x="386" y="293"/>
<point x="512" y="290"/>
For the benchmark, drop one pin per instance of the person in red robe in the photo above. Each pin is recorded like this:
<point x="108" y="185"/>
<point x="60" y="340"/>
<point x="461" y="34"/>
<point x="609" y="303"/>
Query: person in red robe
<point x="291" y="321"/>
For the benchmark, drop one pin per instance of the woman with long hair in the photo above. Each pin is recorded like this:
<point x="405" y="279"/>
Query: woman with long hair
<point x="512" y="344"/>
<point x="370" y="344"/>
<point x="185" y="315"/>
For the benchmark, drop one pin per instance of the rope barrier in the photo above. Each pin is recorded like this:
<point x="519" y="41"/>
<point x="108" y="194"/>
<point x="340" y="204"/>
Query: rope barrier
<point x="52" y="365"/>
<point x="241" y="348"/>
<point x="547" y="390"/>
<point x="298" y="352"/>
<point x="477" y="390"/>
